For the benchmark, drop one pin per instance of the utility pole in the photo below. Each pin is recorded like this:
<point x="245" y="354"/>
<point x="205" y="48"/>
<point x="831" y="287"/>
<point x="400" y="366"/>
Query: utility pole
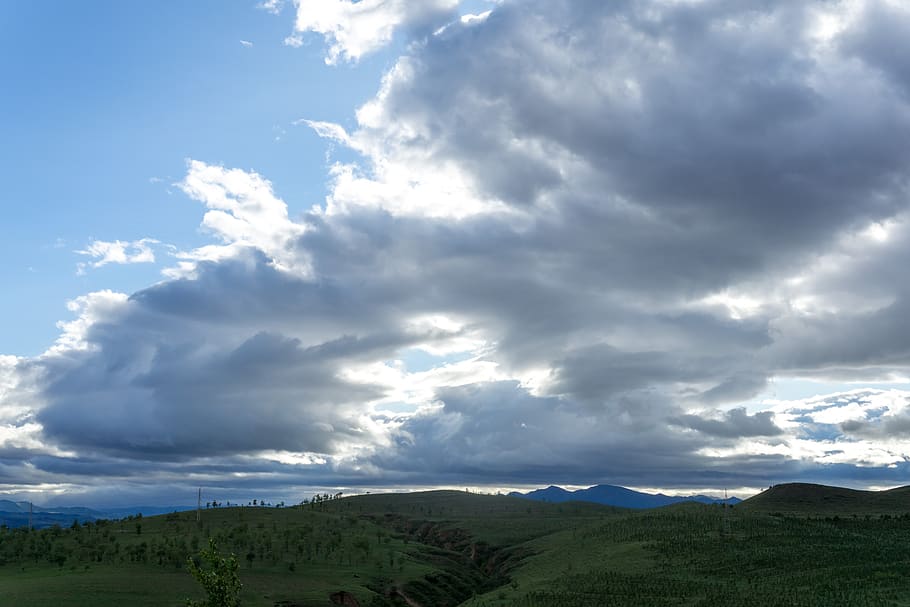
<point x="30" y="516"/>
<point x="199" y="506"/>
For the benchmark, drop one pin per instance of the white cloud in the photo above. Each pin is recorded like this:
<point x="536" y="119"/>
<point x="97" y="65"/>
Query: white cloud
<point x="272" y="6"/>
<point x="117" y="252"/>
<point x="243" y="212"/>
<point x="91" y="309"/>
<point x="17" y="383"/>
<point x="246" y="43"/>
<point x="354" y="29"/>
<point x="863" y="427"/>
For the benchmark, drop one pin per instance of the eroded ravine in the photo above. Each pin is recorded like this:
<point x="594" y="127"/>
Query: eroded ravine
<point x="465" y="566"/>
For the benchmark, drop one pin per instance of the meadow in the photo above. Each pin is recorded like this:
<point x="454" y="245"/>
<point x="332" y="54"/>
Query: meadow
<point x="448" y="548"/>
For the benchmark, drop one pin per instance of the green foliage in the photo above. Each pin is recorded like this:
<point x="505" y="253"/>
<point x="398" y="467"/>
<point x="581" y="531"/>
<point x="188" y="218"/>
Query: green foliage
<point x="220" y="579"/>
<point x="454" y="548"/>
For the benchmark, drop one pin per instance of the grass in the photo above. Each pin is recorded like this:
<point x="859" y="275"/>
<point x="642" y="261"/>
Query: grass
<point x="444" y="549"/>
<point x="805" y="498"/>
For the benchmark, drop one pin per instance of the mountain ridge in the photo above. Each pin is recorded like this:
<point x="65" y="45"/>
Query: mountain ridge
<point x="17" y="514"/>
<point x="614" y="495"/>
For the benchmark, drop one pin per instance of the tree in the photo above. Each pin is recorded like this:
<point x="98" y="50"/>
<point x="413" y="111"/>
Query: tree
<point x="220" y="580"/>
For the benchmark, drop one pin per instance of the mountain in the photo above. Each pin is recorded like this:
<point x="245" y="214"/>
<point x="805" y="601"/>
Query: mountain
<point x="612" y="495"/>
<point x="8" y="506"/>
<point x="552" y="494"/>
<point x="16" y="514"/>
<point x="807" y="498"/>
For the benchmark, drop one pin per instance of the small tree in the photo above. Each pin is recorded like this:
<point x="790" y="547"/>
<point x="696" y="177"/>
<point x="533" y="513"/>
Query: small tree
<point x="220" y="580"/>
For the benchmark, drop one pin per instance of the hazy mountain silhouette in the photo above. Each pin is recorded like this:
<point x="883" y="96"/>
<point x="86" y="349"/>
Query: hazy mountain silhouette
<point x="16" y="514"/>
<point x="613" y="495"/>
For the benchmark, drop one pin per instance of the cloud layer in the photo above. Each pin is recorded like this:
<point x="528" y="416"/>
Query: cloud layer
<point x="583" y="241"/>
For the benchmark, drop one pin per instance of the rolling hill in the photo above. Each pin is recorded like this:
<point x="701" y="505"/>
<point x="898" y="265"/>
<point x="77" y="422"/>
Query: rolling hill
<point x="807" y="498"/>
<point x="460" y="549"/>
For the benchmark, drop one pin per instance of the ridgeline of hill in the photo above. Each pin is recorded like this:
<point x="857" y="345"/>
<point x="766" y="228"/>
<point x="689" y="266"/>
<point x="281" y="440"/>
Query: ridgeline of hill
<point x="457" y="549"/>
<point x="806" y="498"/>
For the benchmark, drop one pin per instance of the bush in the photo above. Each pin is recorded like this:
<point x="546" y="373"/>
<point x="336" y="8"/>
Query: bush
<point x="220" y="580"/>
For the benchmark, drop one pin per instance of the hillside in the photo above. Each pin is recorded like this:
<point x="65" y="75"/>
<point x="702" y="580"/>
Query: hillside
<point x="612" y="495"/>
<point x="806" y="498"/>
<point x="458" y="549"/>
<point x="434" y="548"/>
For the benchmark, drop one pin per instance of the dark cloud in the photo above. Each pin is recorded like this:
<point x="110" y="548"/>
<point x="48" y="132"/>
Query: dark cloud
<point x="891" y="427"/>
<point x="177" y="385"/>
<point x="499" y="430"/>
<point x="735" y="423"/>
<point x="879" y="38"/>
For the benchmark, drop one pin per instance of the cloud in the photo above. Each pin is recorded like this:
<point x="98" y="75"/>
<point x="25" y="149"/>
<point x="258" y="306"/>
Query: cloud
<point x="620" y="220"/>
<point x="355" y="29"/>
<point x="879" y="39"/>
<point x="118" y="252"/>
<point x="734" y="423"/>
<point x="659" y="190"/>
<point x="243" y="213"/>
<point x="175" y="400"/>
<point x="272" y="6"/>
<point x="246" y="43"/>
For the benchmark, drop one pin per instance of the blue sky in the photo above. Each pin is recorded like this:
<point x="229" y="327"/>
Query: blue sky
<point x="107" y="100"/>
<point x="291" y="246"/>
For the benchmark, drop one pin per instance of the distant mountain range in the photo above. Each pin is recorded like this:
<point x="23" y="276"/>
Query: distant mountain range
<point x="611" y="495"/>
<point x="16" y="514"/>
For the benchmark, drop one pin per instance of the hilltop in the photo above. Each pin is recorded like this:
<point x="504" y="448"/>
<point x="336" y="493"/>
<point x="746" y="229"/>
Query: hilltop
<point x="807" y="498"/>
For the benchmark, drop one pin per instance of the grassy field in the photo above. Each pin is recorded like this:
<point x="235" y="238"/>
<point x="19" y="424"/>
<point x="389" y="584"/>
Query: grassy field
<point x="442" y="549"/>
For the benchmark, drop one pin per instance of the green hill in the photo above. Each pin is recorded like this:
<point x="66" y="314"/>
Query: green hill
<point x="434" y="548"/>
<point x="456" y="549"/>
<point x="822" y="500"/>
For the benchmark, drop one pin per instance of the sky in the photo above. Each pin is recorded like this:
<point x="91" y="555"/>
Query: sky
<point x="268" y="248"/>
